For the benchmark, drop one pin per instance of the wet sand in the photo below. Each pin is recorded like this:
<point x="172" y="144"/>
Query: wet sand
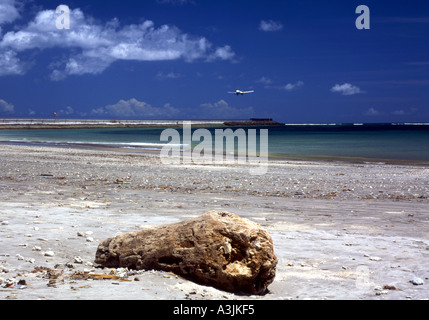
<point x="340" y="230"/>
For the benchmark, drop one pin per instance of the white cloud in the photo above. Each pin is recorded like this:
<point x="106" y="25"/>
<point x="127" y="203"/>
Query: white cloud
<point x="224" y="53"/>
<point x="6" y="107"/>
<point x="398" y="112"/>
<point x="346" y="89"/>
<point x="67" y="111"/>
<point x="264" y="80"/>
<point x="94" y="46"/>
<point x="134" y="108"/>
<point x="403" y="112"/>
<point x="222" y="110"/>
<point x="170" y="75"/>
<point x="10" y="63"/>
<point x="293" y="86"/>
<point x="372" y="112"/>
<point x="270" y="25"/>
<point x="8" y="11"/>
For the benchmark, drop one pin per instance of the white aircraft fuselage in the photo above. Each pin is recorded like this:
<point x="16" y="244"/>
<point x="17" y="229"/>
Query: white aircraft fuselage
<point x="239" y="92"/>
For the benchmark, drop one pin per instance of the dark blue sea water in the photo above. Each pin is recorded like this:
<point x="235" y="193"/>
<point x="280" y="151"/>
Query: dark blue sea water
<point x="372" y="142"/>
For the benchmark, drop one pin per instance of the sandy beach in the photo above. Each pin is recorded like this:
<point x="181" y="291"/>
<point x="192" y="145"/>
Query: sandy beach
<point x="340" y="230"/>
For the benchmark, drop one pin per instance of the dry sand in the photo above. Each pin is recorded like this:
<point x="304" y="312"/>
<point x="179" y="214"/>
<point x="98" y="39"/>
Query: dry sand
<point x="340" y="231"/>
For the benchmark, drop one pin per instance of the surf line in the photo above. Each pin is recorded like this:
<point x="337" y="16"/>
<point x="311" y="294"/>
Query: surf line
<point x="179" y="148"/>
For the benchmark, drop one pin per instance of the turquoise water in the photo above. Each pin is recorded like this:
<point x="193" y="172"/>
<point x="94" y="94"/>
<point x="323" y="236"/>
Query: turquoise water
<point x="389" y="142"/>
<point x="367" y="141"/>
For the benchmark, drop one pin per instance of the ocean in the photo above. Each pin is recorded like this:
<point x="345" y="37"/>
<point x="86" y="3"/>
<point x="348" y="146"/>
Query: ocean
<point x="346" y="142"/>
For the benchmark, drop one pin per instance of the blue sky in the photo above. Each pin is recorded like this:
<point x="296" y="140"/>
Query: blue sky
<point x="177" y="59"/>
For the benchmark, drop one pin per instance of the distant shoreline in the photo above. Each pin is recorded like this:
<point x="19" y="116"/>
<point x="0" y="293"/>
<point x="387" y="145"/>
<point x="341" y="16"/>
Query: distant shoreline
<point x="88" y="124"/>
<point x="51" y="138"/>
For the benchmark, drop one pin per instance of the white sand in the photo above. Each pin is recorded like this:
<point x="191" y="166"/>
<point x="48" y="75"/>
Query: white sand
<point x="340" y="231"/>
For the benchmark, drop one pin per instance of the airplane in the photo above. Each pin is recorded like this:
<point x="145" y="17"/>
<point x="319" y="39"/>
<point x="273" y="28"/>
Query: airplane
<point x="239" y="92"/>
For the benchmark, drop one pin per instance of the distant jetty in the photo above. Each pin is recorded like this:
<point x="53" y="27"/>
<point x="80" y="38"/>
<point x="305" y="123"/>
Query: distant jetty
<point x="86" y="124"/>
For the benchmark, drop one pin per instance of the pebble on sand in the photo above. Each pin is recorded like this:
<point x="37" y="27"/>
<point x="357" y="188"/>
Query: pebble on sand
<point x="417" y="281"/>
<point x="49" y="254"/>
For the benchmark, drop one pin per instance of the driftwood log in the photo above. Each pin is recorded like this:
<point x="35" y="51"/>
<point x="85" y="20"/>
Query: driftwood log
<point x="219" y="249"/>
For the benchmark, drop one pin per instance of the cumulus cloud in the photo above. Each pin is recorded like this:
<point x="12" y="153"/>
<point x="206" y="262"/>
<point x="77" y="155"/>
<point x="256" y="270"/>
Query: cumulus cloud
<point x="8" y="11"/>
<point x="6" y="107"/>
<point x="134" y="108"/>
<point x="222" y="110"/>
<point x="67" y="111"/>
<point x="288" y="87"/>
<point x="372" y="112"/>
<point x="264" y="80"/>
<point x="94" y="46"/>
<point x="270" y="26"/>
<point x="293" y="86"/>
<point x="346" y="89"/>
<point x="403" y="112"/>
<point x="223" y="53"/>
<point x="10" y="63"/>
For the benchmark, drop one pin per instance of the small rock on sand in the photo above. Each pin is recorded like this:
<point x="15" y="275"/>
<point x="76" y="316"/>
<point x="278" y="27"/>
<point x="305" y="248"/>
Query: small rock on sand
<point x="417" y="281"/>
<point x="49" y="254"/>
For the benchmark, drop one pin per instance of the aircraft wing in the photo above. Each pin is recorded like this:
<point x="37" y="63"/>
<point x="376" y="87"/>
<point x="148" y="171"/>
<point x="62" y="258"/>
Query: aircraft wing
<point x="238" y="92"/>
